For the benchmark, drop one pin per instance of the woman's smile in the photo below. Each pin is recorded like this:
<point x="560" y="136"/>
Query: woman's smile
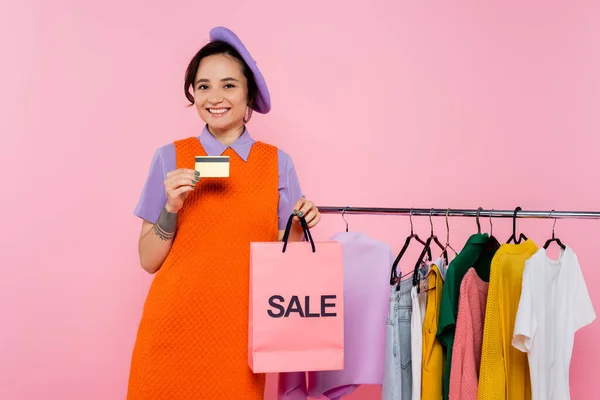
<point x="218" y="112"/>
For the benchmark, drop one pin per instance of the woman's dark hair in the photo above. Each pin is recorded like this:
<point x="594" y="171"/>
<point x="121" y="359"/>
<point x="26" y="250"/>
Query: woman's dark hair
<point x="212" y="48"/>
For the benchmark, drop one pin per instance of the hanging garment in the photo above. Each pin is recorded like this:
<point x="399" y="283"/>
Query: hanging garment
<point x="442" y="270"/>
<point x="504" y="373"/>
<point x="432" y="365"/>
<point x="367" y="264"/>
<point x="466" y="352"/>
<point x="397" y="380"/>
<point x="292" y="386"/>
<point x="470" y="256"/>
<point x="419" y="304"/>
<point x="554" y="304"/>
<point x="192" y="341"/>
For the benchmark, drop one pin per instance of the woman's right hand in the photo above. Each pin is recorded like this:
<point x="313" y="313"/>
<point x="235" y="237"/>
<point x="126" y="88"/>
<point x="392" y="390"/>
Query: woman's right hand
<point x="178" y="185"/>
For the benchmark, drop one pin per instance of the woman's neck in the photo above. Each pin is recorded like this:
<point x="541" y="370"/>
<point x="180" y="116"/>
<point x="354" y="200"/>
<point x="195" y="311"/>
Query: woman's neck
<point x="227" y="136"/>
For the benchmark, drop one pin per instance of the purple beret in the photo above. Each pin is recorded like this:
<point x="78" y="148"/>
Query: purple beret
<point x="263" y="99"/>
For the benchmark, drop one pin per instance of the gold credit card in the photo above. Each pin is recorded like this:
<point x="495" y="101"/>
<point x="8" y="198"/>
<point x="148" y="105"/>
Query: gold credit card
<point x="213" y="166"/>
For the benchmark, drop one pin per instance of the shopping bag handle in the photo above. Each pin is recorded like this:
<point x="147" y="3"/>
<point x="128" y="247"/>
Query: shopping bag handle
<point x="305" y="229"/>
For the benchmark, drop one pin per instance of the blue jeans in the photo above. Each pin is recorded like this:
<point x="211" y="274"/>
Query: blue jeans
<point x="397" y="380"/>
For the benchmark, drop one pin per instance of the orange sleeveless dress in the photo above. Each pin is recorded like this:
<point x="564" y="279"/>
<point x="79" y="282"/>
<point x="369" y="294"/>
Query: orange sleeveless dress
<point x="192" y="341"/>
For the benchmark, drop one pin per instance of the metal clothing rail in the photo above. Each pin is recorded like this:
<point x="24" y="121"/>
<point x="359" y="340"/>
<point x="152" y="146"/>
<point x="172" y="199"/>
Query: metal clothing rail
<point x="455" y="212"/>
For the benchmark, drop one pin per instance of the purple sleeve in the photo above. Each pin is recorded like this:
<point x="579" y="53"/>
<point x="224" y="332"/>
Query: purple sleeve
<point x="289" y="188"/>
<point x="153" y="197"/>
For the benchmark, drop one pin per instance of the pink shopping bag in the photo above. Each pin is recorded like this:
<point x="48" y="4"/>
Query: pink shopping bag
<point x="296" y="305"/>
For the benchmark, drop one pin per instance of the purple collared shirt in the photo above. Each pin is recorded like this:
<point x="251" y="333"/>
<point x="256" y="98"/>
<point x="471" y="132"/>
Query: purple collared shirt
<point x="154" y="198"/>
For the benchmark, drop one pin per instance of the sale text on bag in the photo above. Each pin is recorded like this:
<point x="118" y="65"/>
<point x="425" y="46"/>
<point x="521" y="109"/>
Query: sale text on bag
<point x="278" y="309"/>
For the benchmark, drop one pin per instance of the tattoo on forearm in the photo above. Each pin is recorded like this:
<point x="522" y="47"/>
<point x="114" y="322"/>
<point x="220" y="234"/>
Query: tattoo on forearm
<point x="166" y="225"/>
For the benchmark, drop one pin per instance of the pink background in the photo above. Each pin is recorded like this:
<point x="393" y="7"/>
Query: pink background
<point x="461" y="104"/>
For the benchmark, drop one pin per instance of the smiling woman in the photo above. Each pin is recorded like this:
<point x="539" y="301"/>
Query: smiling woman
<point x="192" y="341"/>
<point x="223" y="85"/>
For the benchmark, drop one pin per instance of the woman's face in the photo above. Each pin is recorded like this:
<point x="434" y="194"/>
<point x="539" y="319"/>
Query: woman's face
<point x="221" y="92"/>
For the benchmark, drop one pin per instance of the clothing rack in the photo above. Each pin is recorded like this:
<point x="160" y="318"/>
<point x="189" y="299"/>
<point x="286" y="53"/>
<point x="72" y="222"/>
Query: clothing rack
<point x="455" y="212"/>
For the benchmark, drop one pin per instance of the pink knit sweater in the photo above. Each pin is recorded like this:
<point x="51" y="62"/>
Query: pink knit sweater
<point x="466" y="351"/>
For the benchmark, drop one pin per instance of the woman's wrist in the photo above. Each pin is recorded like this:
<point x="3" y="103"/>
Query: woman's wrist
<point x="170" y="209"/>
<point x="166" y="225"/>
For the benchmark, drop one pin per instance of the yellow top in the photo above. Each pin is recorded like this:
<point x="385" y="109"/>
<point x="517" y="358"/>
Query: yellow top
<point x="504" y="370"/>
<point x="433" y="354"/>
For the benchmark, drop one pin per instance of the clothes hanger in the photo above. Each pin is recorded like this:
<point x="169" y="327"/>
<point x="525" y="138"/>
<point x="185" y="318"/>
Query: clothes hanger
<point x="447" y="245"/>
<point x="436" y="240"/>
<point x="554" y="239"/>
<point x="489" y="249"/>
<point x="344" y="218"/>
<point x="492" y="241"/>
<point x="394" y="275"/>
<point x="427" y="250"/>
<point x="513" y="237"/>
<point x="492" y="244"/>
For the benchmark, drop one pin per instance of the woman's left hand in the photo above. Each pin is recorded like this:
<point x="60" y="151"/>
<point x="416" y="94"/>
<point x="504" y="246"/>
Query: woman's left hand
<point x="308" y="210"/>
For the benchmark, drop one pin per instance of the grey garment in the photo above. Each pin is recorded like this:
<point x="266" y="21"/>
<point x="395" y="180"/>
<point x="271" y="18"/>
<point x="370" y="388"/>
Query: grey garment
<point x="397" y="379"/>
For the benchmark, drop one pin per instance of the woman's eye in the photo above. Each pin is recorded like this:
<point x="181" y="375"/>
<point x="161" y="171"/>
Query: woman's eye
<point x="229" y="85"/>
<point x="202" y="87"/>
